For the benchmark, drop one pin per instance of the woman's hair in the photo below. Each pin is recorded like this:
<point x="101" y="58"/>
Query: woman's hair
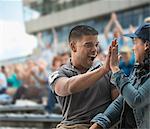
<point x="146" y="60"/>
<point x="144" y="68"/>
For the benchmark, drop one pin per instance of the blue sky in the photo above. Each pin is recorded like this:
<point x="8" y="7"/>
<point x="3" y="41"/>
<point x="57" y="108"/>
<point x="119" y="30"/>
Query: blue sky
<point x="14" y="41"/>
<point x="11" y="10"/>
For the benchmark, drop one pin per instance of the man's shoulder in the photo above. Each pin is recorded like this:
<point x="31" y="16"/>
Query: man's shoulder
<point x="66" y="69"/>
<point x="54" y="75"/>
<point x="63" y="71"/>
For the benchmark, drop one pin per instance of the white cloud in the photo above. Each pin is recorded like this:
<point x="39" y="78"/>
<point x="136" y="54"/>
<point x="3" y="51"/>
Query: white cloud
<point x="14" y="42"/>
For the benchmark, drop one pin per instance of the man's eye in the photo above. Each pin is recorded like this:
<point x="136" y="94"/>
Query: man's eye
<point x="89" y="45"/>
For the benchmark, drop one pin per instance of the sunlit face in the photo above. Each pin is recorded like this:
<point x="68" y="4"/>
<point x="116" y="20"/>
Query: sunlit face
<point x="87" y="49"/>
<point x="57" y="65"/>
<point x="139" y="49"/>
<point x="65" y="59"/>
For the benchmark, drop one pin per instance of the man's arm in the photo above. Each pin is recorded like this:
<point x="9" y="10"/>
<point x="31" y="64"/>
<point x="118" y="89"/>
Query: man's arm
<point x="65" y="86"/>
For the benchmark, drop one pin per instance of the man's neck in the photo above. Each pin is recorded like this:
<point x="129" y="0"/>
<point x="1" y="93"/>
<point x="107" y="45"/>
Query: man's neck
<point x="78" y="66"/>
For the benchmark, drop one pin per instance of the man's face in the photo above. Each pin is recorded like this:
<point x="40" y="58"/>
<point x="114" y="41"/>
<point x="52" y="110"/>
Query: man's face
<point x="139" y="49"/>
<point x="87" y="48"/>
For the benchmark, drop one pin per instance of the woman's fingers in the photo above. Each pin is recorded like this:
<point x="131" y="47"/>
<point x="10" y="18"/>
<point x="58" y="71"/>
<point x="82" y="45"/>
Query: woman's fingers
<point x="119" y="57"/>
<point x="114" y="50"/>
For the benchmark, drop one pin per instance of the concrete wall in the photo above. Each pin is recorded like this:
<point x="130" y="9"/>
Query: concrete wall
<point x="80" y="13"/>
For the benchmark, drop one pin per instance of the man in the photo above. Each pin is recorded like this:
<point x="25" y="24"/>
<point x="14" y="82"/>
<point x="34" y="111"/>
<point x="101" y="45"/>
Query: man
<point x="82" y="86"/>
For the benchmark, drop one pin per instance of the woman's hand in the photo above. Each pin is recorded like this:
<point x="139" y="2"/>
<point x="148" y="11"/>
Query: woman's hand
<point x="114" y="61"/>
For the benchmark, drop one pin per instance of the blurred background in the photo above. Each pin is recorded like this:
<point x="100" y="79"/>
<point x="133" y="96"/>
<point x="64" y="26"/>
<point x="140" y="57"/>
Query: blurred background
<point x="34" y="43"/>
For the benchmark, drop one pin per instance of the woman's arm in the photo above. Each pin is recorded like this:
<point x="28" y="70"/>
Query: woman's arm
<point x="134" y="97"/>
<point x="110" y="116"/>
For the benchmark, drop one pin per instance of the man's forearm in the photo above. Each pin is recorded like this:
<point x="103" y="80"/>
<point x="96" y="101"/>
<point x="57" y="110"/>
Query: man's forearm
<point x="84" y="81"/>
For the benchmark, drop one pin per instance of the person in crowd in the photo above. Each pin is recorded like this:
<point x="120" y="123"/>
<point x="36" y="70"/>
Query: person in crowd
<point x="40" y="76"/>
<point x="127" y="60"/>
<point x="117" y="30"/>
<point x="51" y="48"/>
<point x="28" y="89"/>
<point x="132" y="107"/>
<point x="4" y="97"/>
<point x="56" y="63"/>
<point x="13" y="80"/>
<point x="147" y="20"/>
<point x="82" y="86"/>
<point x="64" y="57"/>
<point x="53" y="105"/>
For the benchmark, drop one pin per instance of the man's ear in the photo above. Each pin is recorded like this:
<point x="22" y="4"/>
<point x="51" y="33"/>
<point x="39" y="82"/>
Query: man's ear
<point x="73" y="46"/>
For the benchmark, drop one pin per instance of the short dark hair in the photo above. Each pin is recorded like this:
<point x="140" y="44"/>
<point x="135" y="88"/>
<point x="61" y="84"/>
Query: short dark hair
<point x="81" y="30"/>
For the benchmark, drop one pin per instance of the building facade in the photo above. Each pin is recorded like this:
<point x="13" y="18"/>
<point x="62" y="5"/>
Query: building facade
<point x="43" y="15"/>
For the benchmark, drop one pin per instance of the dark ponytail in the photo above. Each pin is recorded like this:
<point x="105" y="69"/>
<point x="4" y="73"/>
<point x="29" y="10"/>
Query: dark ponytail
<point x="146" y="61"/>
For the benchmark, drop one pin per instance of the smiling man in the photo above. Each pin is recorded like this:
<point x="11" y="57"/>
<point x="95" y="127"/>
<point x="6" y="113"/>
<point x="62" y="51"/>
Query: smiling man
<point x="82" y="86"/>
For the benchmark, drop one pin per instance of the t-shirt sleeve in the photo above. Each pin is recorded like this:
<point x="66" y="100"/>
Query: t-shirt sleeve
<point x="52" y="79"/>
